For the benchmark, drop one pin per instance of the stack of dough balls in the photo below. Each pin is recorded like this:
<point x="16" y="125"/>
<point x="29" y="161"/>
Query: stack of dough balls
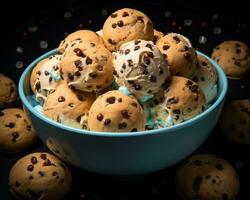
<point x="110" y="80"/>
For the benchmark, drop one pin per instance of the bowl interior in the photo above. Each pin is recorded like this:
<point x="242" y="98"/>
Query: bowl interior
<point x="25" y="91"/>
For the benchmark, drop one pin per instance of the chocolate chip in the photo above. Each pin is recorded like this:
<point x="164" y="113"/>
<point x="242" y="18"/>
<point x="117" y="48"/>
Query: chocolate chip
<point x="237" y="63"/>
<point x="99" y="117"/>
<point x="93" y="74"/>
<point x="126" y="51"/>
<point x="120" y="100"/>
<point x="140" y="18"/>
<point x="43" y="156"/>
<point x="152" y="79"/>
<point x="17" y="184"/>
<point x="88" y="61"/>
<point x="203" y="63"/>
<point x="198" y="162"/>
<point x="50" y="79"/>
<point x="29" y="127"/>
<point x="136" y="48"/>
<point x="78" y="63"/>
<point x="61" y="99"/>
<point x="113" y="15"/>
<point x="130" y="81"/>
<point x="10" y="125"/>
<point x="111" y="41"/>
<point x="137" y="42"/>
<point x="160" y="70"/>
<point x="196" y="184"/>
<point x="165" y="47"/>
<point x="111" y="100"/>
<point x="70" y="77"/>
<point x="187" y="56"/>
<point x="208" y="177"/>
<point x="46" y="73"/>
<point x="79" y="52"/>
<point x="18" y="116"/>
<point x="134" y="104"/>
<point x="80" y="97"/>
<point x="114" y="25"/>
<point x="120" y="23"/>
<point x="176" y="111"/>
<point x="134" y="130"/>
<point x="1" y="113"/>
<point x="224" y="196"/>
<point x="99" y="68"/>
<point x="122" y="125"/>
<point x="33" y="160"/>
<point x="38" y="72"/>
<point x="195" y="79"/>
<point x="47" y="162"/>
<point x="177" y="39"/>
<point x="107" y="122"/>
<point x="124" y="66"/>
<point x="202" y="79"/>
<point x="72" y="87"/>
<point x="125" y="114"/>
<point x="219" y="167"/>
<point x="41" y="173"/>
<point x="54" y="173"/>
<point x="62" y="181"/>
<point x="137" y="87"/>
<point x="78" y="119"/>
<point x="172" y="100"/>
<point x="30" y="168"/>
<point x="130" y="63"/>
<point x="149" y="46"/>
<point x="125" y="14"/>
<point x="31" y="177"/>
<point x="38" y="85"/>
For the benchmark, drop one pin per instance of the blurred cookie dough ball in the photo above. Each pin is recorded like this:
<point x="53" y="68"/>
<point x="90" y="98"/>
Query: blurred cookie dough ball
<point x="45" y="77"/>
<point x="16" y="131"/>
<point x="125" y="25"/>
<point x="39" y="176"/>
<point x="206" y="77"/>
<point x="179" y="54"/>
<point x="235" y="121"/>
<point x="8" y="91"/>
<point x="79" y="37"/>
<point x="141" y="68"/>
<point x="157" y="35"/>
<point x="88" y="67"/>
<point x="68" y="106"/>
<point x="183" y="100"/>
<point x="116" y="112"/>
<point x="207" y="177"/>
<point x="234" y="58"/>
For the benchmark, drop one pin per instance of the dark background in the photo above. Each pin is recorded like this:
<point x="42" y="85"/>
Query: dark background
<point x="17" y="16"/>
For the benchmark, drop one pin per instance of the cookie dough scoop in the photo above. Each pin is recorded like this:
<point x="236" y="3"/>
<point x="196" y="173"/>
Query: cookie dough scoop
<point x="88" y="67"/>
<point x="16" y="131"/>
<point x="39" y="176"/>
<point x="46" y="76"/>
<point x="141" y="68"/>
<point x="125" y="25"/>
<point x="68" y="106"/>
<point x="183" y="100"/>
<point x="206" y="77"/>
<point x="179" y="54"/>
<point x="207" y="177"/>
<point x="116" y="112"/>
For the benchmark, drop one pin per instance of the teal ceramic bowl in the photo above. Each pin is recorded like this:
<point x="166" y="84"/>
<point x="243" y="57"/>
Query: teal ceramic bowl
<point x="124" y="153"/>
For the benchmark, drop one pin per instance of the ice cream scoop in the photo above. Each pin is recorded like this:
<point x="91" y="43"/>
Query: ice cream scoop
<point x="206" y="77"/>
<point x="141" y="68"/>
<point x="182" y="100"/>
<point x="116" y="112"/>
<point x="179" y="54"/>
<point x="87" y="67"/>
<point x="48" y="76"/>
<point x="68" y="106"/>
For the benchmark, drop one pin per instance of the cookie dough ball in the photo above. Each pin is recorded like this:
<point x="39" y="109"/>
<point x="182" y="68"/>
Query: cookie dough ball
<point x="68" y="106"/>
<point x="141" y="68"/>
<point x="183" y="100"/>
<point x="46" y="76"/>
<point x="8" y="91"/>
<point x="116" y="112"/>
<point x="16" y="131"/>
<point x="206" y="77"/>
<point x="125" y="25"/>
<point x="79" y="37"/>
<point x="179" y="54"/>
<point x="234" y="58"/>
<point x="88" y="67"/>
<point x="39" y="176"/>
<point x="235" y="121"/>
<point x="207" y="177"/>
<point x="157" y="35"/>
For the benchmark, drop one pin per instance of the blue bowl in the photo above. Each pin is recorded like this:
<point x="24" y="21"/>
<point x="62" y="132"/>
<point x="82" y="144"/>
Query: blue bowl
<point x="124" y="153"/>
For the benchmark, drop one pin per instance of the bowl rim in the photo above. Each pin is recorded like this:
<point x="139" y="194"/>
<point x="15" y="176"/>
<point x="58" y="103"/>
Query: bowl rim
<point x="173" y="129"/>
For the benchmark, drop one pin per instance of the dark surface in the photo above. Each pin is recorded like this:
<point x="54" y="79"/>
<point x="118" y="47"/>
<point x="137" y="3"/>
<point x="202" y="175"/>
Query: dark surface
<point x="50" y="22"/>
